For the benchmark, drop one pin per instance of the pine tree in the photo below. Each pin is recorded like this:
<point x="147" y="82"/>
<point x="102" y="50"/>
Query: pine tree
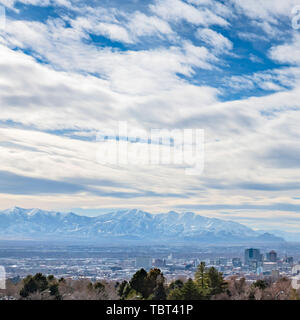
<point x="154" y="278"/>
<point x="34" y="284"/>
<point x="190" y="291"/>
<point x="201" y="276"/>
<point x="176" y="284"/>
<point x="138" y="282"/>
<point x="159" y="292"/>
<point x="55" y="292"/>
<point x="261" y="284"/>
<point x="175" y="294"/>
<point x="216" y="281"/>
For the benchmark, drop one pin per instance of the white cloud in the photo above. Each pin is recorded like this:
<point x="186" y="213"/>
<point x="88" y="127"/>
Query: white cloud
<point x="79" y="98"/>
<point x="140" y="24"/>
<point x="252" y="144"/>
<point x="239" y="139"/>
<point x="42" y="3"/>
<point x="214" y="39"/>
<point x="177" y="10"/>
<point x="113" y="31"/>
<point x="267" y="15"/>
<point x="288" y="52"/>
<point x="129" y="71"/>
<point x="128" y="30"/>
<point x="266" y="10"/>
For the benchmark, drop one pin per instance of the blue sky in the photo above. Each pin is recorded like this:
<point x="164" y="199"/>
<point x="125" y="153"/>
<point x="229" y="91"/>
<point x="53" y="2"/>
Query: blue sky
<point x="68" y="69"/>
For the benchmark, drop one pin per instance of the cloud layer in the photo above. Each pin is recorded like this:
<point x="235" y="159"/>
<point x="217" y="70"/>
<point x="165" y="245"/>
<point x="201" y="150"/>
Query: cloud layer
<point x="71" y="70"/>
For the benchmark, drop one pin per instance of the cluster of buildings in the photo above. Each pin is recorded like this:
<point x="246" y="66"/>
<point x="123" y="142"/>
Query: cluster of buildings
<point x="272" y="266"/>
<point x="269" y="264"/>
<point x="252" y="265"/>
<point x="255" y="265"/>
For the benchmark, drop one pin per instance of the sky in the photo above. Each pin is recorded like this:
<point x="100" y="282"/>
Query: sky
<point x="69" y="69"/>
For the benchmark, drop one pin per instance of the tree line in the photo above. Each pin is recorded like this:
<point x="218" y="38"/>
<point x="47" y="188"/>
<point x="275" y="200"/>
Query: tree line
<point x="152" y="285"/>
<point x="207" y="284"/>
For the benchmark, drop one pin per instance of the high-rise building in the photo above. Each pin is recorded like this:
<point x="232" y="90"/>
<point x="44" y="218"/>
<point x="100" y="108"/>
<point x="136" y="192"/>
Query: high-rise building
<point x="159" y="263"/>
<point x="289" y="260"/>
<point x="252" y="255"/>
<point x="272" y="256"/>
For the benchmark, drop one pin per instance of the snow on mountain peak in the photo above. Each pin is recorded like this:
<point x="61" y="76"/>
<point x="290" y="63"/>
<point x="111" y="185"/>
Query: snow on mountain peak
<point x="186" y="226"/>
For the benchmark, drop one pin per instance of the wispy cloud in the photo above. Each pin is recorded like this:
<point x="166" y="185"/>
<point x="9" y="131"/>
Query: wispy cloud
<point x="156" y="64"/>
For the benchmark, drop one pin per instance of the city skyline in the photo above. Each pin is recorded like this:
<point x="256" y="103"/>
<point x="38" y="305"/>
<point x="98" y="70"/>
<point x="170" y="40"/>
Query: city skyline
<point x="112" y="264"/>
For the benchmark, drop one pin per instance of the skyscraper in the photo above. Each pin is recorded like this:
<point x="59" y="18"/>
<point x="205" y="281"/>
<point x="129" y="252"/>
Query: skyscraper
<point x="252" y="255"/>
<point x="272" y="256"/>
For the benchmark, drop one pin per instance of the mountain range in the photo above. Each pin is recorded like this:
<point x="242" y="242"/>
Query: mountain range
<point x="133" y="225"/>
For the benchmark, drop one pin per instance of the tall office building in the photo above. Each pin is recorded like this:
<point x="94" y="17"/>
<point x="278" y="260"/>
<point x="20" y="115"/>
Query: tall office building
<point x="272" y="256"/>
<point x="159" y="263"/>
<point x="289" y="260"/>
<point x="252" y="255"/>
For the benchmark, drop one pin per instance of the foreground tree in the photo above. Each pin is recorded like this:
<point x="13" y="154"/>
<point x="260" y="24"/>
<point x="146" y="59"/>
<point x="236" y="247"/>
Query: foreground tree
<point x="216" y="283"/>
<point x="152" y="285"/>
<point x="201" y="276"/>
<point x="149" y="285"/>
<point x="139" y="282"/>
<point x="190" y="291"/>
<point x="261" y="284"/>
<point x="159" y="292"/>
<point x="124" y="289"/>
<point x="33" y="284"/>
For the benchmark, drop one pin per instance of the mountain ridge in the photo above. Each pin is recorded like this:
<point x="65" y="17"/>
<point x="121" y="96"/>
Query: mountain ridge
<point x="132" y="224"/>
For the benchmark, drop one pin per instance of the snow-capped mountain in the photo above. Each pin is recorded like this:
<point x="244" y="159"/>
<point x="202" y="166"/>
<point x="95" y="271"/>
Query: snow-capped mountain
<point x="18" y="223"/>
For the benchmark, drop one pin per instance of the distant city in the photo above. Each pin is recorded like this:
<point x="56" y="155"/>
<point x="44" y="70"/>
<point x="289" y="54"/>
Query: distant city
<point x="120" y="263"/>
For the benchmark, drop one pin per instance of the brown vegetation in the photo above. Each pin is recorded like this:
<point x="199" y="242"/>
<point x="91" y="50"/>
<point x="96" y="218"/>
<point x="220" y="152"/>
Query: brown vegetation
<point x="208" y="284"/>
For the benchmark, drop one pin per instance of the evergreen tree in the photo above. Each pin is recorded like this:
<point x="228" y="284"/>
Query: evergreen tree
<point x="54" y="291"/>
<point x="154" y="278"/>
<point x="62" y="280"/>
<point x="30" y="286"/>
<point x="124" y="290"/>
<point x="261" y="284"/>
<point x="190" y="291"/>
<point x="34" y="284"/>
<point x="201" y="276"/>
<point x="159" y="292"/>
<point x="176" y="284"/>
<point x="121" y="288"/>
<point x="216" y="281"/>
<point x="99" y="286"/>
<point x="175" y="294"/>
<point x="41" y="281"/>
<point x="50" y="278"/>
<point x="139" y="282"/>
